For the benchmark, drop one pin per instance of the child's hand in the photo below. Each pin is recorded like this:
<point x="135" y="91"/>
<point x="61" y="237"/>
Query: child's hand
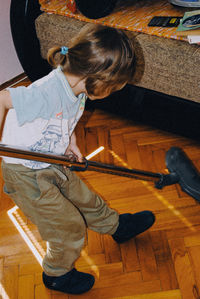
<point x="73" y="151"/>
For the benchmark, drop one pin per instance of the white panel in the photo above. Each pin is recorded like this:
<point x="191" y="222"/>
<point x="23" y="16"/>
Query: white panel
<point x="10" y="66"/>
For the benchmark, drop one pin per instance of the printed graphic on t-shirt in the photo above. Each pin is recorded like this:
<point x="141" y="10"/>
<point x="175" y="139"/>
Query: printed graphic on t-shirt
<point x="54" y="139"/>
<point x="51" y="138"/>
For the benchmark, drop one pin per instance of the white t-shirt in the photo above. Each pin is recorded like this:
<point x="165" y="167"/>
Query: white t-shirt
<point x="44" y="116"/>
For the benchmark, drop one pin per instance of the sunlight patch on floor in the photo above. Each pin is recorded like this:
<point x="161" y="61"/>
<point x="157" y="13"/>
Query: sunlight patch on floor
<point x="26" y="234"/>
<point x="3" y="293"/>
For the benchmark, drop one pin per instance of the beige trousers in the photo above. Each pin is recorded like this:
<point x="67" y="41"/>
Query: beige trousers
<point x="62" y="207"/>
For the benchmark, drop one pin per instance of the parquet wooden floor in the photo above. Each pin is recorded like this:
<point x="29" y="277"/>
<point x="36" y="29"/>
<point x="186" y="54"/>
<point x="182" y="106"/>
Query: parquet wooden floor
<point x="162" y="263"/>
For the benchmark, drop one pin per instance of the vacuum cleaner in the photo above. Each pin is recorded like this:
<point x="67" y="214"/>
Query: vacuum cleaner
<point x="181" y="169"/>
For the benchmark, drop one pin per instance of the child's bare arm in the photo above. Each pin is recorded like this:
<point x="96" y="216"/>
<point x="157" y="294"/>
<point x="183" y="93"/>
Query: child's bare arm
<point x="5" y="104"/>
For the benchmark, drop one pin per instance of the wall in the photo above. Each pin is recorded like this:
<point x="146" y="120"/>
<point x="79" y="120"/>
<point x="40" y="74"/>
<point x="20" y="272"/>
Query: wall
<point x="9" y="64"/>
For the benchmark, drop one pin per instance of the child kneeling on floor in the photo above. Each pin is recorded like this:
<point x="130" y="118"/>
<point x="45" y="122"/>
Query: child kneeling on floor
<point x="42" y="117"/>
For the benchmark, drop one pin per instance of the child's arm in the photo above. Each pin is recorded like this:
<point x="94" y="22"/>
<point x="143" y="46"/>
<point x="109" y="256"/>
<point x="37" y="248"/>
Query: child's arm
<point x="73" y="149"/>
<point x="5" y="104"/>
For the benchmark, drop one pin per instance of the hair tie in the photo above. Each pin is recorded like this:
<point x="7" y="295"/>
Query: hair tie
<point x="63" y="50"/>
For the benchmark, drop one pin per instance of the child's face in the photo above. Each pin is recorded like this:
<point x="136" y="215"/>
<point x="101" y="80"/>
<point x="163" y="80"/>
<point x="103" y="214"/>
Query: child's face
<point x="105" y="93"/>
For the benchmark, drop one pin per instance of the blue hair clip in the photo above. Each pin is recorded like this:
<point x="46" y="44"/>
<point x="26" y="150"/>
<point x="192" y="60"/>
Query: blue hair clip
<point x="63" y="50"/>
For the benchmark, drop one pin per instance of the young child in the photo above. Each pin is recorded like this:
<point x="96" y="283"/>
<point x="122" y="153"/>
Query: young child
<point x="42" y="117"/>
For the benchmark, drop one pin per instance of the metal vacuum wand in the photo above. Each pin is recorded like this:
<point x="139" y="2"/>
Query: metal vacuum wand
<point x="181" y="169"/>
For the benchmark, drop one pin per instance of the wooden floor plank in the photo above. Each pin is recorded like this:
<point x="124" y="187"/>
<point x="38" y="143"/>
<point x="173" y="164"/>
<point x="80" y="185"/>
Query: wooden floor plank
<point x="26" y="287"/>
<point x="42" y="292"/>
<point x="130" y="257"/>
<point x="147" y="258"/>
<point x="174" y="294"/>
<point x="195" y="258"/>
<point x="125" y="290"/>
<point x="164" y="260"/>
<point x="10" y="281"/>
<point x="112" y="250"/>
<point x="183" y="268"/>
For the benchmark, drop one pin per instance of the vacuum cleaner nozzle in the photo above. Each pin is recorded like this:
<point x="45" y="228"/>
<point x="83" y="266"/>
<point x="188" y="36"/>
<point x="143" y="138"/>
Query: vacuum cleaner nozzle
<point x="189" y="177"/>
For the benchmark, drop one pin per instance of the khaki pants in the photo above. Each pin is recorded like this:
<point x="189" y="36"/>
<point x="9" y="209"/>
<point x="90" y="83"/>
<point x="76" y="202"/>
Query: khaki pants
<point x="61" y="206"/>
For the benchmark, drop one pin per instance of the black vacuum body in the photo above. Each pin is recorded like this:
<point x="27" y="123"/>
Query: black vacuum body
<point x="188" y="176"/>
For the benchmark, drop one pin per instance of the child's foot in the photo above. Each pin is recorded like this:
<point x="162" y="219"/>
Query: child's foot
<point x="73" y="282"/>
<point x="130" y="225"/>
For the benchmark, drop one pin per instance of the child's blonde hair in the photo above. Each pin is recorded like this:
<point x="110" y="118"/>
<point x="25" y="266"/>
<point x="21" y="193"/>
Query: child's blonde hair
<point x="103" y="56"/>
